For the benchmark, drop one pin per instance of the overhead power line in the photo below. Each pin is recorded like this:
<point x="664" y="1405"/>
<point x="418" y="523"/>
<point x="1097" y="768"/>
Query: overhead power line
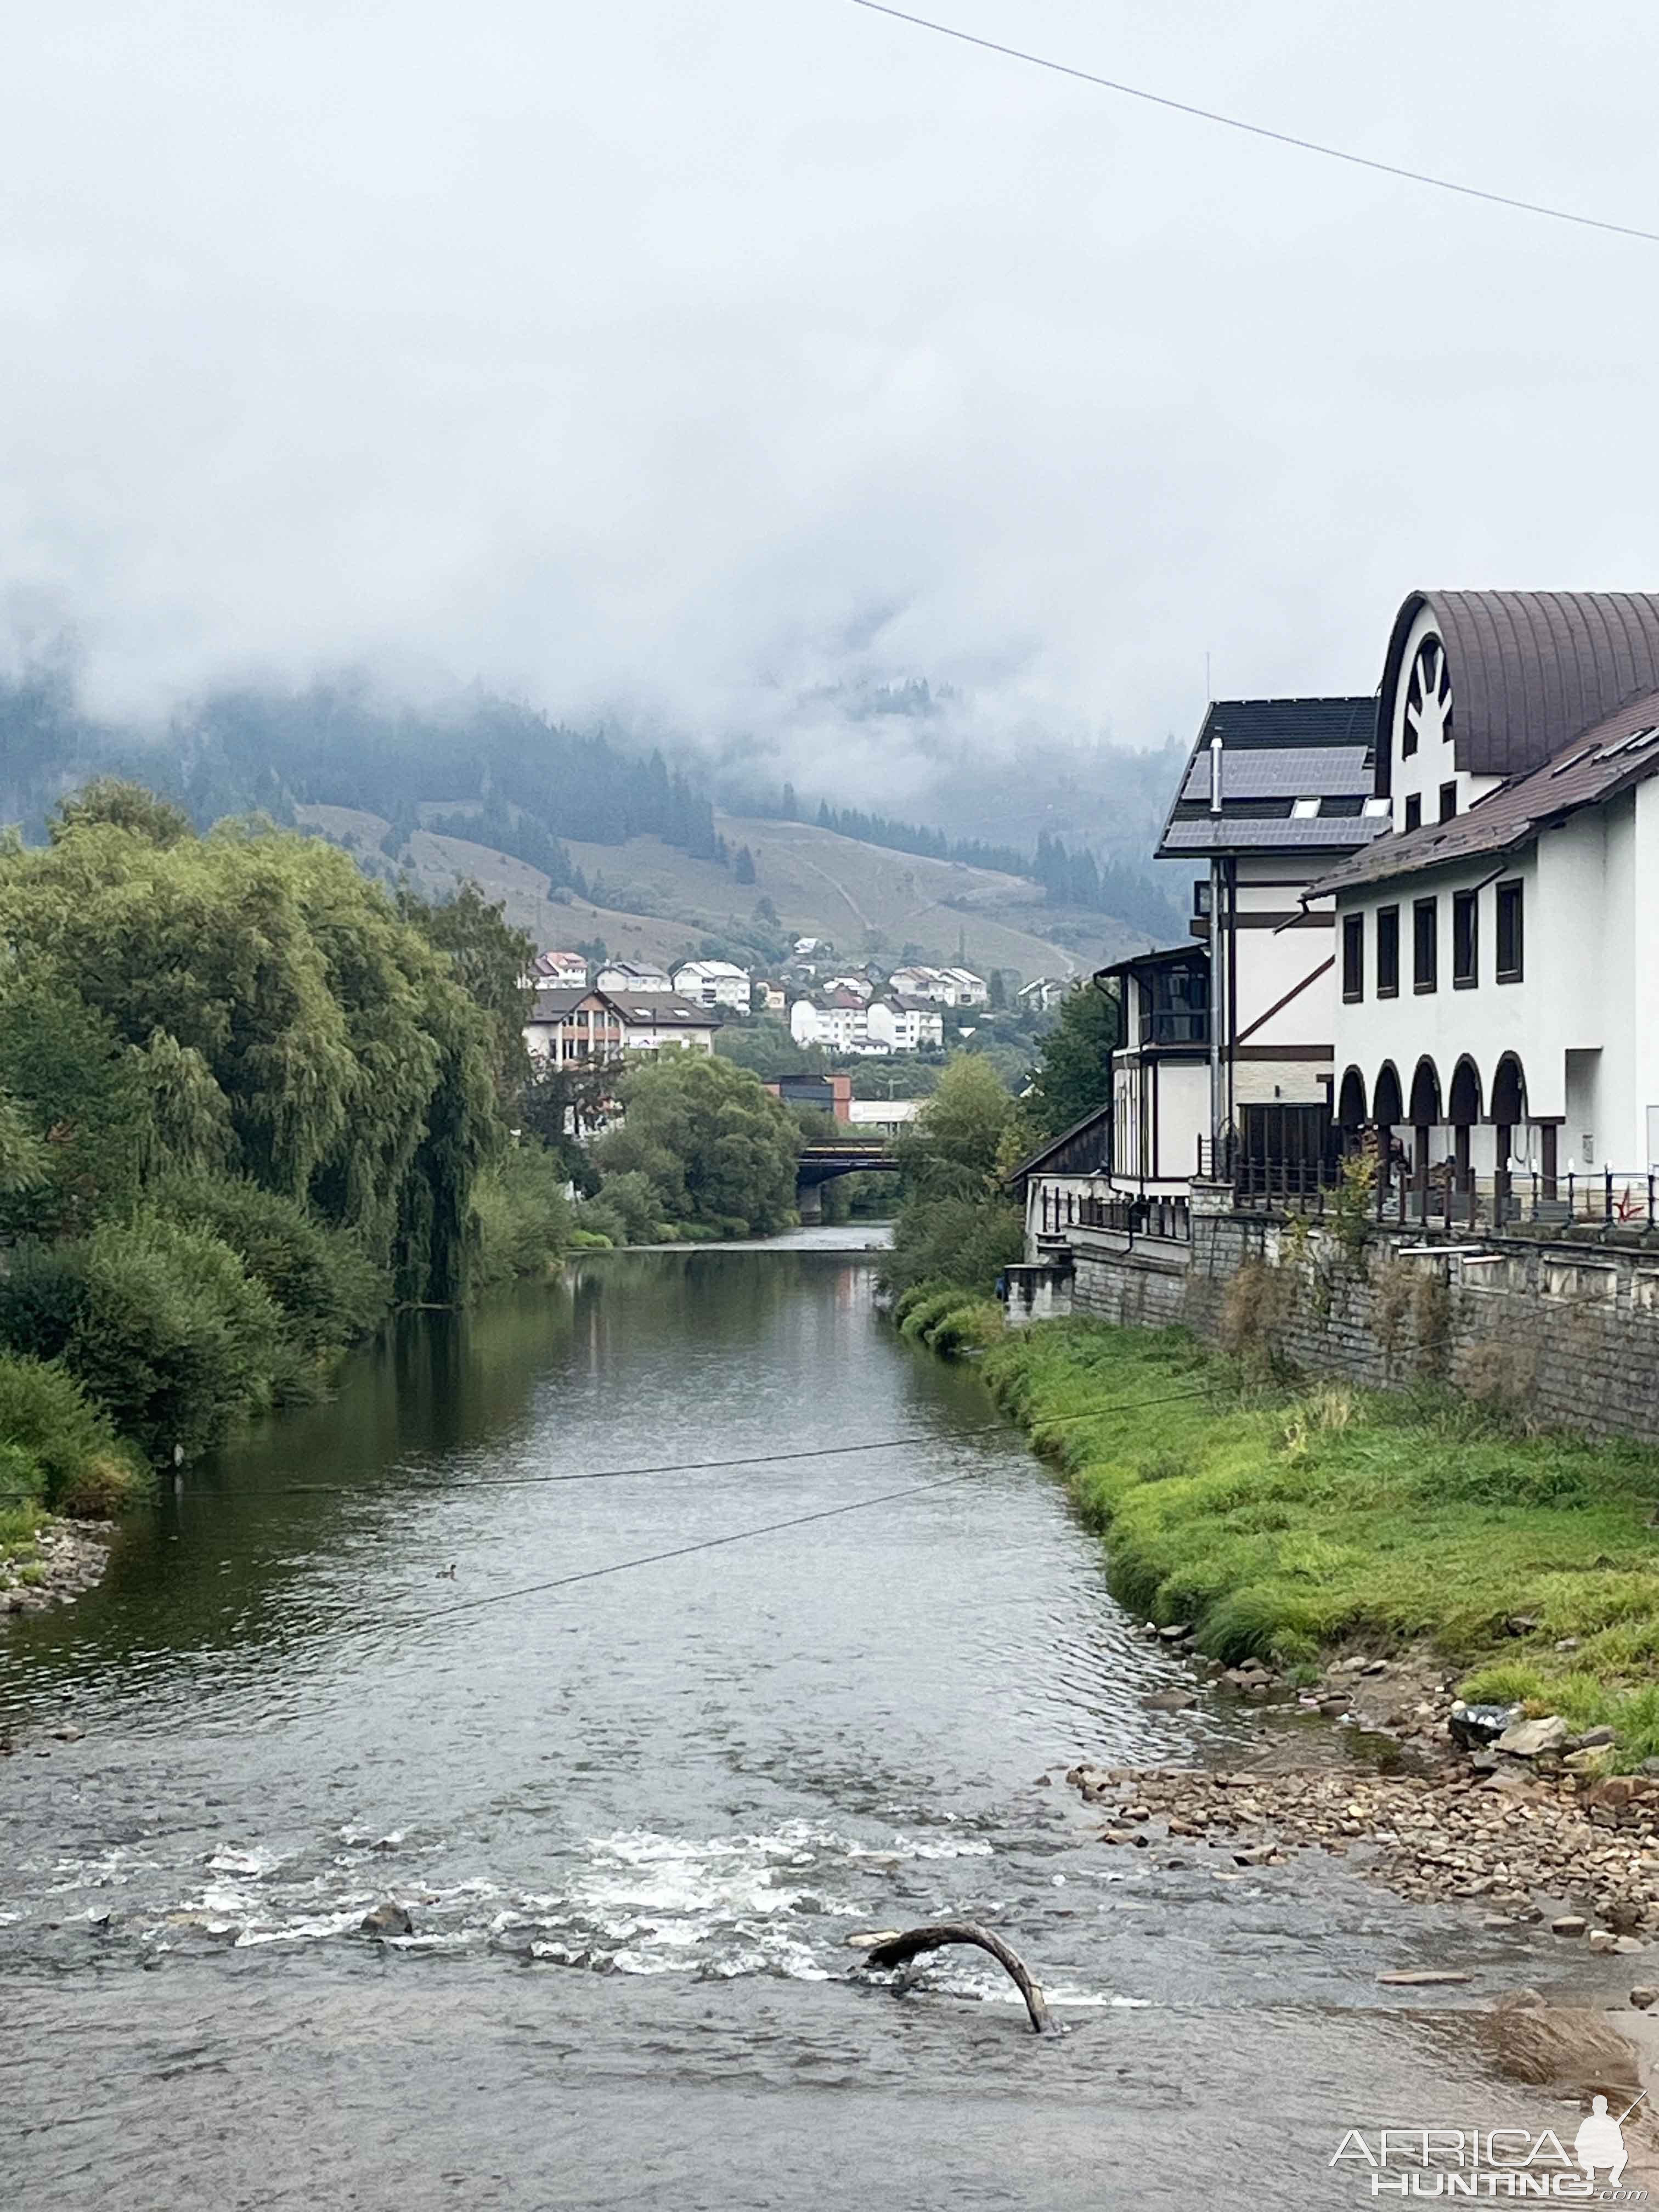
<point x="757" y="1459"/>
<point x="1261" y="129"/>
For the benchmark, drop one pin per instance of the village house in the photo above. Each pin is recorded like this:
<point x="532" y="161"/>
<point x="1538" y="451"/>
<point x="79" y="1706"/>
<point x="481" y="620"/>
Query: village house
<point x="905" y="1025"/>
<point x="768" y="998"/>
<point x="944" y="987"/>
<point x="1498" y="1012"/>
<point x="714" y="983"/>
<point x="590" y="1027"/>
<point x="559" y="971"/>
<point x="856" y="987"/>
<point x="633" y="975"/>
<point x="1042" y="993"/>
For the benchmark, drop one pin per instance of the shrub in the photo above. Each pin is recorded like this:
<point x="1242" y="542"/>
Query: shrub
<point x="159" y="1323"/>
<point x="69" y="1453"/>
<point x="329" y="1291"/>
<point x="926" y="1312"/>
<point x="964" y="1241"/>
<point x="968" y="1325"/>
<point x="523" y="1215"/>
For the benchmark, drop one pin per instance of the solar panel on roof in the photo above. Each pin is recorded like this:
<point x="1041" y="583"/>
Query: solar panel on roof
<point x="1268" y="772"/>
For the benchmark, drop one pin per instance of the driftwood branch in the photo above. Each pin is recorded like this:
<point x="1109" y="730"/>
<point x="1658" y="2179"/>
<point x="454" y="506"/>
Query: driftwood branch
<point x="889" y="1950"/>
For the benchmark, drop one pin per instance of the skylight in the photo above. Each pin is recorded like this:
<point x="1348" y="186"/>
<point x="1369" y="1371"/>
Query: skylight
<point x="1305" y="810"/>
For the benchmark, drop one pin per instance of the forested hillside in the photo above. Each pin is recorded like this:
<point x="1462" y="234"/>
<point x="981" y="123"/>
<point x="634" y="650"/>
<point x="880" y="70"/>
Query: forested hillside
<point x="503" y="777"/>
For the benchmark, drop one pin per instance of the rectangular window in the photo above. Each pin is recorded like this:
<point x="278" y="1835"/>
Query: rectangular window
<point x="1388" y="952"/>
<point x="1510" y="946"/>
<point x="1448" y="801"/>
<point x="1426" y="945"/>
<point x="1466" y="940"/>
<point x="1414" y="811"/>
<point x="1354" y="956"/>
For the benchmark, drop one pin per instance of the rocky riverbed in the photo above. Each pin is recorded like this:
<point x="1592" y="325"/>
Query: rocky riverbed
<point x="1581" y="1854"/>
<point x="61" y="1560"/>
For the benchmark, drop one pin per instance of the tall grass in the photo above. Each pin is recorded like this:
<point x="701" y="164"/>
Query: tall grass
<point x="1280" y="1521"/>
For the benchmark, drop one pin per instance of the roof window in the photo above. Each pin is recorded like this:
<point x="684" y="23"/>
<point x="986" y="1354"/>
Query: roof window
<point x="1376" y="808"/>
<point x="1304" y="810"/>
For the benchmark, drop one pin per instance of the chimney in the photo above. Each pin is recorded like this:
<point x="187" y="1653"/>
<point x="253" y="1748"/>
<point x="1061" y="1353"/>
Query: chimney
<point x="1215" y="774"/>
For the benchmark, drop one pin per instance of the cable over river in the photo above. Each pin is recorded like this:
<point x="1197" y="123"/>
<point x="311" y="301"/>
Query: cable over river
<point x="634" y="1819"/>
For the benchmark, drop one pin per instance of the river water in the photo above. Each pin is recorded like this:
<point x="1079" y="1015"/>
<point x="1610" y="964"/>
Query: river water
<point x="635" y="1817"/>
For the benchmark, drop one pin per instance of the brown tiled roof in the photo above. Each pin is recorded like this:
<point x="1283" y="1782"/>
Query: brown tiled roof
<point x="1620" y="749"/>
<point x="1530" y="670"/>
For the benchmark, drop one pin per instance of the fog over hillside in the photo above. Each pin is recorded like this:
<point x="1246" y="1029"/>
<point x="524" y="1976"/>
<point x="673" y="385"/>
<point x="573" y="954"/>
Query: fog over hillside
<point x="707" y="372"/>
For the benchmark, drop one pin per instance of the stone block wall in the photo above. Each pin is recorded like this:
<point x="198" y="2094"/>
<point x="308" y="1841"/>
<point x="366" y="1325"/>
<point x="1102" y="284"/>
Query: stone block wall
<point x="1567" y="1333"/>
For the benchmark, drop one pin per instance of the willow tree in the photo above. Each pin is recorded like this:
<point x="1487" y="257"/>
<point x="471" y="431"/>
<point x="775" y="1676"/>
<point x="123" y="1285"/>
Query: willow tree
<point x="279" y="1019"/>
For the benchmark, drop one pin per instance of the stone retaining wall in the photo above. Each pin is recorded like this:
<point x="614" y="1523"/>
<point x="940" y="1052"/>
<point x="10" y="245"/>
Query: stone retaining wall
<point x="1566" y="1333"/>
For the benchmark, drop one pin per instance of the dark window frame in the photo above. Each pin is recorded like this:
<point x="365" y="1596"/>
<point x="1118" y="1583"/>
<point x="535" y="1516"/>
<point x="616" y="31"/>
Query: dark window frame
<point x="1413" y="811"/>
<point x="1448" y="801"/>
<point x="1511" y="909"/>
<point x="1425" y="974"/>
<point x="1465" y="918"/>
<point x="1387" y="935"/>
<point x="1353" y="958"/>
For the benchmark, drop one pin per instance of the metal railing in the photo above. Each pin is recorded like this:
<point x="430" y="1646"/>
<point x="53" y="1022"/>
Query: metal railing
<point x="1122" y="1213"/>
<point x="1612" y="1199"/>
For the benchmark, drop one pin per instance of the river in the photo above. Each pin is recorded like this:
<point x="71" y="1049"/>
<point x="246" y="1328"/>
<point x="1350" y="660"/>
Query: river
<point x="635" y="1817"/>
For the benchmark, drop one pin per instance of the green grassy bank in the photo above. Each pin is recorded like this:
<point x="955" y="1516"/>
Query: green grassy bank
<point x="1282" y="1520"/>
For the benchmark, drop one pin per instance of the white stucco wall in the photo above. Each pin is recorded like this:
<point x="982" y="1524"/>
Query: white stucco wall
<point x="1434" y="762"/>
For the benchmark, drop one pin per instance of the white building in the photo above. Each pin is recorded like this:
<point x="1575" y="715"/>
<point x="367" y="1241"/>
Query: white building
<point x="1275" y="792"/>
<point x="905" y="1025"/>
<point x="633" y="975"/>
<point x="1498" y="955"/>
<point x="856" y="987"/>
<point x="558" y="971"/>
<point x="840" y="1028"/>
<point x="1042" y="993"/>
<point x="581" y="1027"/>
<point x="714" y="983"/>
<point x="768" y="997"/>
<point x="884" y="1117"/>
<point x="945" y="987"/>
<point x="657" y="1021"/>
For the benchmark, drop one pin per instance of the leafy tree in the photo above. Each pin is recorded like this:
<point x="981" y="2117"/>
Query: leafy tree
<point x="952" y="1148"/>
<point x="353" y="1072"/>
<point x="1074" y="1074"/>
<point x="123" y="806"/>
<point x="717" y="1148"/>
<point x="491" y="960"/>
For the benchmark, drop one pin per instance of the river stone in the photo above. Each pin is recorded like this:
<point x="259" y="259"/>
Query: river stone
<point x="1475" y="1726"/>
<point x="389" y="1919"/>
<point x="1169" y="1701"/>
<point x="1644" y="1997"/>
<point x="1531" y="1739"/>
<point x="1176" y="1631"/>
<point x="1568" y="1923"/>
<point x="1428" y="1979"/>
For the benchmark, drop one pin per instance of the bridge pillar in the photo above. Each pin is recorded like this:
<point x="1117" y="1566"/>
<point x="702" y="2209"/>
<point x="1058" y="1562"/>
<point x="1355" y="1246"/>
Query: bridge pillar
<point x="808" y="1202"/>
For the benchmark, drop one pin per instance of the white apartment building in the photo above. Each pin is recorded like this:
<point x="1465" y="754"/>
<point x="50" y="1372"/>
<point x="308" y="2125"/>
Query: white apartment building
<point x="839" y="1028"/>
<point x="714" y="983"/>
<point x="1499" y="1000"/>
<point x="905" y="1025"/>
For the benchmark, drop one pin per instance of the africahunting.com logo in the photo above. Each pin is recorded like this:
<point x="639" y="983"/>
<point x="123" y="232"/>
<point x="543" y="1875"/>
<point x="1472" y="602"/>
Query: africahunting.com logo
<point x="1492" y="2162"/>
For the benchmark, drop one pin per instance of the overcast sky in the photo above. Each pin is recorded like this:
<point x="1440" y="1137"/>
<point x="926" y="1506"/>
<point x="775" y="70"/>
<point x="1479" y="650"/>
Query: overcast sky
<point x="690" y="356"/>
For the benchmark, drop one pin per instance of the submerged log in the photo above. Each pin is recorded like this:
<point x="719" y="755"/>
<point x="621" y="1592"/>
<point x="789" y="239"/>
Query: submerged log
<point x="898" y="1950"/>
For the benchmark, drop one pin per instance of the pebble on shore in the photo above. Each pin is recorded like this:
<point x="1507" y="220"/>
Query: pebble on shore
<point x="69" y="1557"/>
<point x="1512" y="1839"/>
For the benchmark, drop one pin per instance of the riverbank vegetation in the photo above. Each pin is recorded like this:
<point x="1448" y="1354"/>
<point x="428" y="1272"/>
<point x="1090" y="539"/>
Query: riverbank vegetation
<point x="960" y="1224"/>
<point x="248" y="1102"/>
<point x="704" y="1150"/>
<point x="1279" y="1519"/>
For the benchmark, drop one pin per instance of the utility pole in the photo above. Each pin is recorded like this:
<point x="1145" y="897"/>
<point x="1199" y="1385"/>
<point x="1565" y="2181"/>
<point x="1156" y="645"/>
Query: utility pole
<point x="1218" y="966"/>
